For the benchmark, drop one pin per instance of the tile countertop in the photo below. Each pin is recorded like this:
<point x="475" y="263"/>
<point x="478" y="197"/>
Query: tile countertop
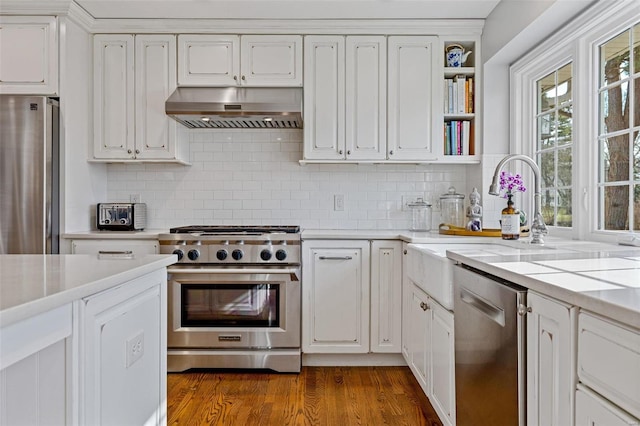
<point x="602" y="278"/>
<point x="432" y="237"/>
<point x="32" y="284"/>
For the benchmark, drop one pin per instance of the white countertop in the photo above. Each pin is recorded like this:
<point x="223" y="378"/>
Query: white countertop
<point x="602" y="278"/>
<point x="147" y="234"/>
<point x="32" y="284"/>
<point x="432" y="237"/>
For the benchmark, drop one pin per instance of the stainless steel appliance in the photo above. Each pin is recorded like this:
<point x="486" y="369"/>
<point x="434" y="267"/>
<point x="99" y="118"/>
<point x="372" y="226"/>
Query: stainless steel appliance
<point x="489" y="329"/>
<point x="234" y="297"/>
<point x="29" y="175"/>
<point x="121" y="216"/>
<point x="236" y="107"/>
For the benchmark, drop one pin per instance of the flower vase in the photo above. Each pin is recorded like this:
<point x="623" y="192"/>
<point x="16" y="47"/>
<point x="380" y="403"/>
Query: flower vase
<point x="510" y="221"/>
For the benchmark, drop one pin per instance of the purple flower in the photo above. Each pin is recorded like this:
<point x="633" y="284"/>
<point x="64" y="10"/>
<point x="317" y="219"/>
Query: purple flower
<point x="511" y="183"/>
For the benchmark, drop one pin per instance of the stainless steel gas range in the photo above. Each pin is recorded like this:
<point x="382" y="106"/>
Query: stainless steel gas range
<point x="234" y="297"/>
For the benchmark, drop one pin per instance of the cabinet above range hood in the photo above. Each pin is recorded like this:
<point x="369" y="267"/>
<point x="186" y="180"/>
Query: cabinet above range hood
<point x="236" y="107"/>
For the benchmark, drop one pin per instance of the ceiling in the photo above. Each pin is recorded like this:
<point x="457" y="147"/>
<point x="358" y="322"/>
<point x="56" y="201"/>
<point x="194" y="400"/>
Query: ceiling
<point x="289" y="9"/>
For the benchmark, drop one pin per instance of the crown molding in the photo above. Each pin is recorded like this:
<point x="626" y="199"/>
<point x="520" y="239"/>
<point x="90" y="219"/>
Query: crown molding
<point x="35" y="7"/>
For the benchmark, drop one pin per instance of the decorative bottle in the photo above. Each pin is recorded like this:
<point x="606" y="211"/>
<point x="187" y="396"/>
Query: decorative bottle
<point x="510" y="223"/>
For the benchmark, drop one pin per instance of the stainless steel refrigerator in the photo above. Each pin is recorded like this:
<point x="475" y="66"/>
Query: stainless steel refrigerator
<point x="29" y="175"/>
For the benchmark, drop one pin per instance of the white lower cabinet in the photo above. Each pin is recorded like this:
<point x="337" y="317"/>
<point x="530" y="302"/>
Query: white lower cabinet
<point x="136" y="247"/>
<point x="428" y="348"/>
<point x="123" y="350"/>
<point x="609" y="365"/>
<point x="551" y="356"/>
<point x="593" y="410"/>
<point x="351" y="300"/>
<point x="35" y="370"/>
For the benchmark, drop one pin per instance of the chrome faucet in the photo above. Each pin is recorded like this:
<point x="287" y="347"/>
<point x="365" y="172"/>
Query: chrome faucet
<point x="538" y="228"/>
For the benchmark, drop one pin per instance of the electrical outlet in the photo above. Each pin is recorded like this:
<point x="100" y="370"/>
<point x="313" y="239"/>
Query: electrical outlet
<point x="338" y="202"/>
<point x="135" y="198"/>
<point x="135" y="348"/>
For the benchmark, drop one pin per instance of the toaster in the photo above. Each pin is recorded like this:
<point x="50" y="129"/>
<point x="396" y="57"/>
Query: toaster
<point x="121" y="216"/>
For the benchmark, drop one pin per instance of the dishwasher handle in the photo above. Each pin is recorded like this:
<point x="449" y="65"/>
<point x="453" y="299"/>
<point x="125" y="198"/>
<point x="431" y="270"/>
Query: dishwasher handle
<point x="491" y="311"/>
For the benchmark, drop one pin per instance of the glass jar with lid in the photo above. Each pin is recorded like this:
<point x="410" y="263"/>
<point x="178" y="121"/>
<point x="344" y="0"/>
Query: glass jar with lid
<point x="420" y="215"/>
<point x="452" y="208"/>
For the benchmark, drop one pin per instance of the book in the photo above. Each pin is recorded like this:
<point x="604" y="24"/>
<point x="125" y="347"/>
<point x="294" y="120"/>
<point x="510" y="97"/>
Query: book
<point x="460" y="101"/>
<point x="466" y="133"/>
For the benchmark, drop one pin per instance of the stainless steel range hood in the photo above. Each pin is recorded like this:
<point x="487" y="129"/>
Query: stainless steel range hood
<point x="236" y="107"/>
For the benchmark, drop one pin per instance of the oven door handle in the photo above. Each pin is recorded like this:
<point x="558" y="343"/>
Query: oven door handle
<point x="228" y="271"/>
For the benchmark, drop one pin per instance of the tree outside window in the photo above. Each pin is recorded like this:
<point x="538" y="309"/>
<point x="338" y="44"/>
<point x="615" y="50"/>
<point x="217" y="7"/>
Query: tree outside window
<point x="619" y="133"/>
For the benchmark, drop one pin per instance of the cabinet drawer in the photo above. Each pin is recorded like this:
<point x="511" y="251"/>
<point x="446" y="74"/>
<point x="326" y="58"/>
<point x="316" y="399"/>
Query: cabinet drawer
<point x="609" y="360"/>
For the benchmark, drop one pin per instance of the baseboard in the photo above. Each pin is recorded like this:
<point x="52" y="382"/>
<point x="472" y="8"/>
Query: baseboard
<point x="352" y="360"/>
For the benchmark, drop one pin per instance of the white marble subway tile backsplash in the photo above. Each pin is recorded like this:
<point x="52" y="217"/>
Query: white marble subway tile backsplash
<point x="253" y="177"/>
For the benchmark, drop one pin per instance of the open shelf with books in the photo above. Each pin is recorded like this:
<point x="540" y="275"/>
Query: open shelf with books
<point x="459" y="99"/>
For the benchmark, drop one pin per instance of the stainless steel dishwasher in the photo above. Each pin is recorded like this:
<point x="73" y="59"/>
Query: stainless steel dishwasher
<point x="490" y="349"/>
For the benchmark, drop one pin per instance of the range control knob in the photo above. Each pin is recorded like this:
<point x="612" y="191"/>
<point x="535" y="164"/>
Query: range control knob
<point x="180" y="254"/>
<point x="222" y="254"/>
<point x="265" y="254"/>
<point x="281" y="255"/>
<point x="193" y="254"/>
<point x="237" y="254"/>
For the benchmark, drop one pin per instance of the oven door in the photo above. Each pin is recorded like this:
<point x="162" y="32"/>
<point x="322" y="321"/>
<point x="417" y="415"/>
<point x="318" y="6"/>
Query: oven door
<point x="240" y="307"/>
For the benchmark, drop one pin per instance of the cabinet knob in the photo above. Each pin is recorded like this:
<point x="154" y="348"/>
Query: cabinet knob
<point x="243" y="79"/>
<point x="340" y="152"/>
<point x="349" y="152"/>
<point x="391" y="152"/>
<point x="405" y="252"/>
<point x="235" y="78"/>
<point x="424" y="306"/>
<point x="129" y="151"/>
<point x="523" y="310"/>
<point x="137" y="151"/>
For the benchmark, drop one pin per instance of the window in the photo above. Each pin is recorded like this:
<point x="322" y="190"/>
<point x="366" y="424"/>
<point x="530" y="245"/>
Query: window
<point x="576" y="111"/>
<point x="619" y="126"/>
<point x="554" y="144"/>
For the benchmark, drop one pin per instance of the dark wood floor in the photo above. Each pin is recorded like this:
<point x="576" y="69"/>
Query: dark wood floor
<point x="336" y="396"/>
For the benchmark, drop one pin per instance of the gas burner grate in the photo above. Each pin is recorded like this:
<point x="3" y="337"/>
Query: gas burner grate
<point x="225" y="229"/>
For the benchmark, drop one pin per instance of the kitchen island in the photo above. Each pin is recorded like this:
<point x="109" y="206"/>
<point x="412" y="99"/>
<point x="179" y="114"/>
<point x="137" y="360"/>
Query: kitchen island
<point x="83" y="339"/>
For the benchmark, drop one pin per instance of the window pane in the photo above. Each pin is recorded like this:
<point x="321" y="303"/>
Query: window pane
<point x="546" y="131"/>
<point x="614" y="109"/>
<point x="616" y="208"/>
<point x="564" y="84"/>
<point x="565" y="125"/>
<point x="614" y="57"/>
<point x="564" y="215"/>
<point x="636" y="208"/>
<point x="564" y="166"/>
<point x="636" y="47"/>
<point x="548" y="169"/>
<point x="616" y="158"/>
<point x="548" y="207"/>
<point x="636" y="156"/>
<point x="546" y="92"/>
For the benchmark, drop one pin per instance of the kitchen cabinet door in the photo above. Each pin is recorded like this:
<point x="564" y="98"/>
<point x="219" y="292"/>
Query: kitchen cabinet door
<point x="366" y="98"/>
<point x="419" y="336"/>
<point x="324" y="111"/>
<point x="335" y="303"/>
<point x="155" y="80"/>
<point x="412" y="98"/>
<point x="271" y="60"/>
<point x="29" y="55"/>
<point x="386" y="296"/>
<point x="208" y="60"/>
<point x="551" y="368"/>
<point x="124" y="353"/>
<point x="37" y="369"/>
<point x="592" y="410"/>
<point x="443" y="378"/>
<point x="137" y="247"/>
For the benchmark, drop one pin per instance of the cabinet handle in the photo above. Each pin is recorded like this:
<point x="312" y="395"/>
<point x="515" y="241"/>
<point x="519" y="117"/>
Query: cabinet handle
<point x="405" y="252"/>
<point x="391" y="152"/>
<point x="424" y="306"/>
<point x="335" y="257"/>
<point x="524" y="310"/>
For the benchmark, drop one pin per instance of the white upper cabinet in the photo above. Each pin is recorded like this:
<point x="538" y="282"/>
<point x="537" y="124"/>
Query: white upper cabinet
<point x="28" y="55"/>
<point x="231" y="60"/>
<point x="345" y="98"/>
<point x="133" y="77"/>
<point x="366" y="97"/>
<point x="412" y="98"/>
<point x="324" y="112"/>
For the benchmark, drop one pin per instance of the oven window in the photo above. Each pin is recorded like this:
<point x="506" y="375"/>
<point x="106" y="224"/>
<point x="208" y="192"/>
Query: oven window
<point x="230" y="305"/>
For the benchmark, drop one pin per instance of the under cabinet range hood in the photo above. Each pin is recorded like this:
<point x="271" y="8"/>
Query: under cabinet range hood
<point x="236" y="107"/>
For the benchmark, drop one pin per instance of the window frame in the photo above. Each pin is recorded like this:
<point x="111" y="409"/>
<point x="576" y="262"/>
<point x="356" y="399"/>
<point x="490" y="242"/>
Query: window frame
<point x="578" y="42"/>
